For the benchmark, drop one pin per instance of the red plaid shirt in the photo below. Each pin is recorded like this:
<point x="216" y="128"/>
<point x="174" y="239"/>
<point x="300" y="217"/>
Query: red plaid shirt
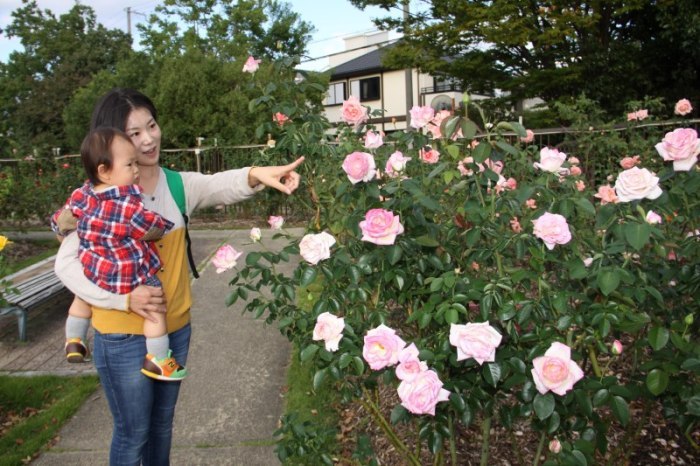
<point x="111" y="224"/>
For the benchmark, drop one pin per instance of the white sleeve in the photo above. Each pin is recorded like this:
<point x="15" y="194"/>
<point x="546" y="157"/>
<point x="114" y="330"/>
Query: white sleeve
<point x="70" y="270"/>
<point x="226" y="188"/>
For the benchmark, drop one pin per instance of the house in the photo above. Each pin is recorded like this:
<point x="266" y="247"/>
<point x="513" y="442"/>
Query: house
<point x="358" y="71"/>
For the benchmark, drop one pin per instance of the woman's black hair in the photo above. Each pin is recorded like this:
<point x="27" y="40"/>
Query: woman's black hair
<point x="114" y="108"/>
<point x="96" y="150"/>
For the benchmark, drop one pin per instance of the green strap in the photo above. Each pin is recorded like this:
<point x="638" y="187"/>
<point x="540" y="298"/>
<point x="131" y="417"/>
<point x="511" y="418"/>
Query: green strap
<point x="177" y="189"/>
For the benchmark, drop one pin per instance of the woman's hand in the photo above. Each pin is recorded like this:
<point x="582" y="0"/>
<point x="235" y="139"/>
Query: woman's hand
<point x="282" y="178"/>
<point x="144" y="300"/>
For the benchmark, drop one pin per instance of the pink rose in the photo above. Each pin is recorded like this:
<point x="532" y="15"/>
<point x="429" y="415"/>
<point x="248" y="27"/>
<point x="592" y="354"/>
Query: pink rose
<point x="225" y="258"/>
<point x="573" y="161"/>
<point x="255" y="234"/>
<point x="555" y="370"/>
<point x="275" y="222"/>
<point x="421" y="116"/>
<point x="429" y="156"/>
<point x="422" y="393"/>
<point x="380" y="227"/>
<point x="575" y="170"/>
<point x="683" y="107"/>
<point x="515" y="225"/>
<point x="382" y="347"/>
<point x="587" y="261"/>
<point x="280" y="118"/>
<point x="616" y="347"/>
<point x="409" y="364"/>
<point x="580" y="185"/>
<point x="353" y="112"/>
<point x="607" y="195"/>
<point x="359" y="166"/>
<point x="552" y="229"/>
<point x="629" y="162"/>
<point x="373" y="140"/>
<point x="681" y="146"/>
<point x="251" y="65"/>
<point x="435" y="124"/>
<point x="329" y="328"/>
<point x="316" y="247"/>
<point x="551" y="161"/>
<point x="555" y="446"/>
<point x="531" y="204"/>
<point x="653" y="218"/>
<point x="478" y="341"/>
<point x="529" y="136"/>
<point x="637" y="183"/>
<point x="638" y="115"/>
<point x="396" y="164"/>
<point x="494" y="166"/>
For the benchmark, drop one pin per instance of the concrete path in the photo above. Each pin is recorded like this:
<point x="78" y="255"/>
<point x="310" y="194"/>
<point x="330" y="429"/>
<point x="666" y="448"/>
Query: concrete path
<point x="229" y="405"/>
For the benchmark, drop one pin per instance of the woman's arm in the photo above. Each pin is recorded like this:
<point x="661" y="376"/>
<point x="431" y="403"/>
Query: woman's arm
<point x="70" y="270"/>
<point x="237" y="185"/>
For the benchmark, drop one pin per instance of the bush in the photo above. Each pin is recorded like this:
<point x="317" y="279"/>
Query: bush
<point x="524" y="291"/>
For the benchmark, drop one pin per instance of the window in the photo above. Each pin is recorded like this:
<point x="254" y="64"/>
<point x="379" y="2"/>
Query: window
<point x="336" y="94"/>
<point x="445" y="83"/>
<point x="366" y="89"/>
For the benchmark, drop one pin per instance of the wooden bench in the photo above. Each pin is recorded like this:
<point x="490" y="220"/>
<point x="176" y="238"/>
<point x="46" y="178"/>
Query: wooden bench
<point x="31" y="293"/>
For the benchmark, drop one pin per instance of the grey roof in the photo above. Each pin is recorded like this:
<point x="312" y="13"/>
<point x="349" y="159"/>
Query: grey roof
<point x="365" y="64"/>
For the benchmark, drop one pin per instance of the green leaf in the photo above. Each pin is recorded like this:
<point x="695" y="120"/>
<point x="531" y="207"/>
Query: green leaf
<point x="308" y="276"/>
<point x="585" y="206"/>
<point x="507" y="148"/>
<point x="428" y="241"/>
<point x="359" y="365"/>
<point x="544" y="405"/>
<point x="657" y="381"/>
<point x="398" y="413"/>
<point x="492" y="373"/>
<point x="252" y="258"/>
<point x="619" y="408"/>
<point x="691" y="364"/>
<point x="658" y="337"/>
<point x="580" y="458"/>
<point x="319" y="377"/>
<point x="608" y="280"/>
<point x="637" y="234"/>
<point x="394" y="254"/>
<point x="553" y="423"/>
<point x="693" y="405"/>
<point x="482" y="152"/>
<point x="469" y="128"/>
<point x="457" y="402"/>
<point x="308" y="353"/>
<point x="451" y="316"/>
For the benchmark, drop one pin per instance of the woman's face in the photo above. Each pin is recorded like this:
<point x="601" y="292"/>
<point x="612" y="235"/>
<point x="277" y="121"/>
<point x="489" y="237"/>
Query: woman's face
<point x="145" y="134"/>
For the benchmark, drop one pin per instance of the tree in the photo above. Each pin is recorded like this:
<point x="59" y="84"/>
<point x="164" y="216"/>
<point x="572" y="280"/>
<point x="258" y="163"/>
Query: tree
<point x="226" y="30"/>
<point x="60" y="55"/>
<point x="613" y="51"/>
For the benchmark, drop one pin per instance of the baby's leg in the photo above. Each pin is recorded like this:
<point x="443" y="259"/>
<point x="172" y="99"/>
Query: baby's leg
<point x="77" y="324"/>
<point x="156" y="333"/>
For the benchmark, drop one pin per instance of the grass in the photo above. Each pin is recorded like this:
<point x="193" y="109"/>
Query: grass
<point x="37" y="407"/>
<point x="49" y="247"/>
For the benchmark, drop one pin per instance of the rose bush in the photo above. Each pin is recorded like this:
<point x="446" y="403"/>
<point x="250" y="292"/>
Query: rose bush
<point x="547" y="270"/>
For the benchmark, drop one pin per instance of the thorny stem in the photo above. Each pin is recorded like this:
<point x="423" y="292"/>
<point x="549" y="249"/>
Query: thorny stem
<point x="386" y="428"/>
<point x="453" y="448"/>
<point x="594" y="362"/>
<point x="486" y="435"/>
<point x="540" y="446"/>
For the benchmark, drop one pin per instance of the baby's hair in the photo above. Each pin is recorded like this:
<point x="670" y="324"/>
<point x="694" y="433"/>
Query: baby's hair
<point x="96" y="150"/>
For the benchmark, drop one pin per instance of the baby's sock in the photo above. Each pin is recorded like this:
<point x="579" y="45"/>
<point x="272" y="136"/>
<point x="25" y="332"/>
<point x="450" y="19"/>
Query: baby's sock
<point x="77" y="327"/>
<point x="158" y="346"/>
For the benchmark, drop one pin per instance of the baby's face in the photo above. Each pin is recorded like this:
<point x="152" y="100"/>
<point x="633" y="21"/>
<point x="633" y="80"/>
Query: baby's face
<point x="125" y="170"/>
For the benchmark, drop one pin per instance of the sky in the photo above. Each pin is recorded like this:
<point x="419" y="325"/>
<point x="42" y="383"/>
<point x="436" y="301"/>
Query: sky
<point x="333" y="20"/>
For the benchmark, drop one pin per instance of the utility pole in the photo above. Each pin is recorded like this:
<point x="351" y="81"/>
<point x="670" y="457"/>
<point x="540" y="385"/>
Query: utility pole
<point x="128" y="19"/>
<point x="409" y="71"/>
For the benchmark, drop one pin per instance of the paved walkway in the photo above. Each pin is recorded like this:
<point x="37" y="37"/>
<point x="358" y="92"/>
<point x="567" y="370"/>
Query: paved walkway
<point x="230" y="404"/>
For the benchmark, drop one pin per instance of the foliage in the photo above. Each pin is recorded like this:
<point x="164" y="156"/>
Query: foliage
<point x="613" y="51"/>
<point x="45" y="403"/>
<point x="469" y="253"/>
<point x="60" y="55"/>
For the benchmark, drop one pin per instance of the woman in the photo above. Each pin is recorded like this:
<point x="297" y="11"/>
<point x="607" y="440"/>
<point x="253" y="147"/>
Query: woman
<point x="143" y="409"/>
